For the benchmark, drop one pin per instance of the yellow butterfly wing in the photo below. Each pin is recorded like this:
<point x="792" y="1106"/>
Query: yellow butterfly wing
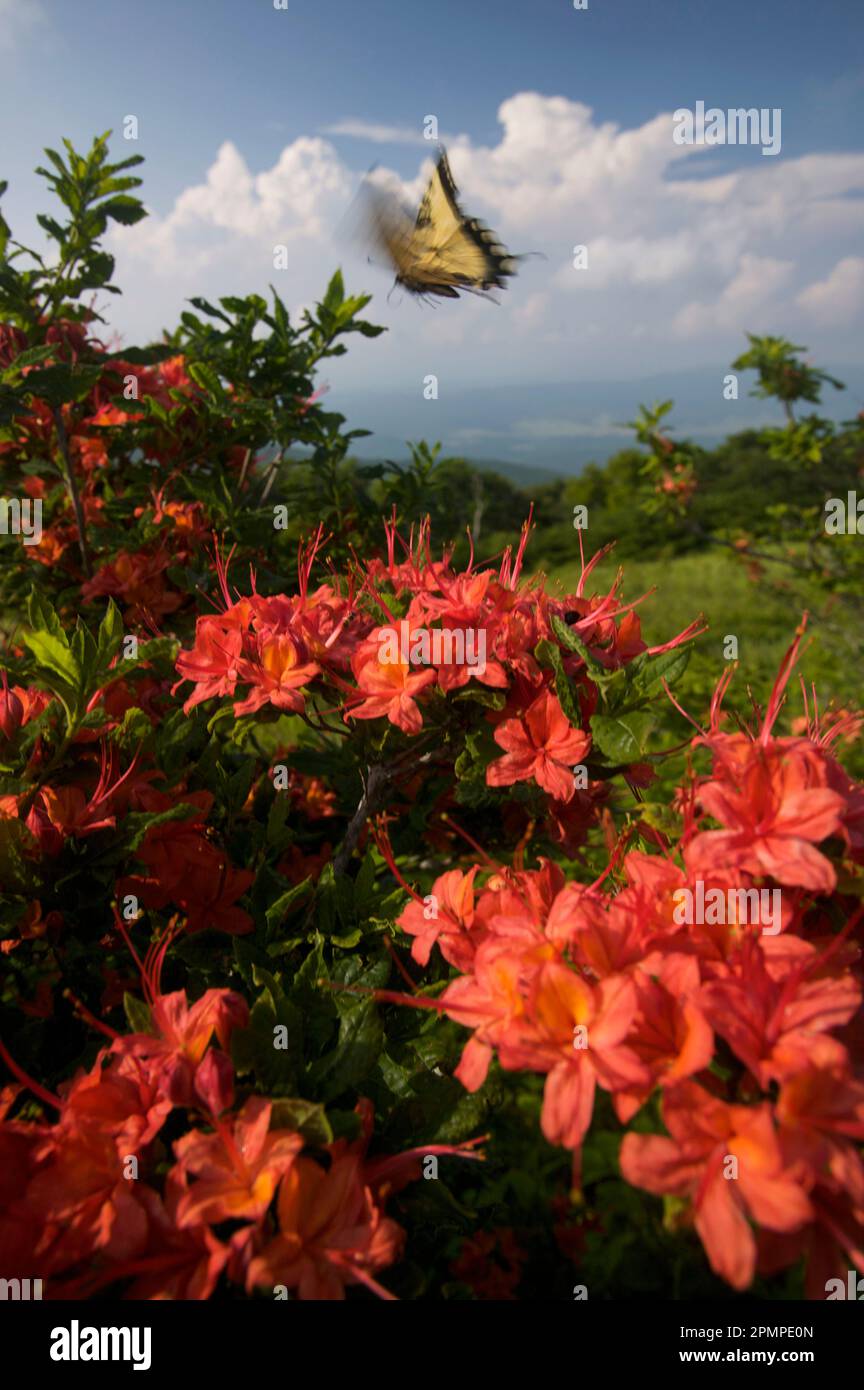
<point x="442" y="251"/>
<point x="448" y="249"/>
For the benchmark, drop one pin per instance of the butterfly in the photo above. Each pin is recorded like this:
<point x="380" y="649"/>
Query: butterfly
<point x="441" y="251"/>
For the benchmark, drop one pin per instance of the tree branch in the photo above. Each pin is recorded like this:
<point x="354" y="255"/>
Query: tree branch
<point x="377" y="778"/>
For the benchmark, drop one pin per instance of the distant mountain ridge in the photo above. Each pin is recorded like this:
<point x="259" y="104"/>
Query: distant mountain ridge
<point x="549" y="429"/>
<point x="521" y="475"/>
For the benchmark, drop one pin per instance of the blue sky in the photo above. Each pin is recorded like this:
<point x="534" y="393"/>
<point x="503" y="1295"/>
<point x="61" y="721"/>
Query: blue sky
<point x="203" y="71"/>
<point x="558" y="125"/>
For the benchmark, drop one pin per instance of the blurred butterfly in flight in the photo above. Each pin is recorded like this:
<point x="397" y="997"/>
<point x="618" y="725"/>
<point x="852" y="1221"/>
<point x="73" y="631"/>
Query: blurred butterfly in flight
<point x="441" y="251"/>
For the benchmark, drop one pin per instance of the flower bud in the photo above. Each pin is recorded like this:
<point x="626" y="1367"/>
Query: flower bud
<point x="11" y="712"/>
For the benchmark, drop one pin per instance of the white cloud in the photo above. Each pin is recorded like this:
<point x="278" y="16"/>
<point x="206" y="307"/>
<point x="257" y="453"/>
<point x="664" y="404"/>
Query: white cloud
<point x="752" y="290"/>
<point x="221" y="237"/>
<point x="838" y="299"/>
<point x="378" y="134"/>
<point x="294" y="199"/>
<point x="681" y="261"/>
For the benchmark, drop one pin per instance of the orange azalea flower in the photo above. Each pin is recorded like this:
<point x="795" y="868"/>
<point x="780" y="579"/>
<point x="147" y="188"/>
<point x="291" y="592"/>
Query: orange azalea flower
<point x="91" y="452"/>
<point x="575" y="1031"/>
<point x="445" y="916"/>
<point x="389" y="686"/>
<point x="773" y="1025"/>
<point x="775" y="802"/>
<point x="276" y="675"/>
<point x="11" y="710"/>
<point x="182" y="1262"/>
<point x="174" y="1051"/>
<point x="51" y="548"/>
<point x="138" y="579"/>
<point x="212" y="662"/>
<point x="491" y="1000"/>
<point x="331" y="1233"/>
<point x="81" y="1203"/>
<point x="705" y="1134"/>
<point x="238" y="1168"/>
<point x="671" y="1036"/>
<point x="540" y="744"/>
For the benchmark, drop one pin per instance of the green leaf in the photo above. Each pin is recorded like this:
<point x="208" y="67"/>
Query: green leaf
<point x="59" y="666"/>
<point x="97" y="272"/>
<point x="278" y="911"/>
<point x="204" y="376"/>
<point x="361" y="1038"/>
<point x="247" y="957"/>
<point x="335" y="293"/>
<point x="278" y="836"/>
<point x="621" y="738"/>
<point x="143" y="356"/>
<point x="85" y="653"/>
<point x="41" y="614"/>
<point x="482" y="695"/>
<point x="62" y="383"/>
<point x="110" y="635"/>
<point x="53" y="654"/>
<point x="253" y="1049"/>
<point x="17" y="851"/>
<point x="568" y="638"/>
<point x="138" y="1014"/>
<point x="364" y="885"/>
<point x="124" y="209"/>
<point x="306" y="1117"/>
<point x="549" y="655"/>
<point x="646" y="673"/>
<point x="207" y="308"/>
<point x="30" y="357"/>
<point x="136" y="825"/>
<point x="349" y="940"/>
<point x="134" y="728"/>
<point x="128" y="163"/>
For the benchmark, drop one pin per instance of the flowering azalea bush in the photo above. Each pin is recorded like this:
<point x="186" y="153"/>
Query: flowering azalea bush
<point x="348" y="944"/>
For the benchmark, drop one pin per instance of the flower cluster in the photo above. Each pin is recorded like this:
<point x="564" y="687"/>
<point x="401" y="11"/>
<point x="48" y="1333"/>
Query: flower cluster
<point x="272" y="650"/>
<point x="593" y="987"/>
<point x="217" y="783"/>
<point x="103" y="1197"/>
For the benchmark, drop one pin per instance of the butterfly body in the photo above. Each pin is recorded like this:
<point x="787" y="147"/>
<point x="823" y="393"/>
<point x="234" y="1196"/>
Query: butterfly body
<point x="441" y="252"/>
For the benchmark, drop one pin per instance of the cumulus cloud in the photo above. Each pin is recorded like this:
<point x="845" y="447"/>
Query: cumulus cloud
<point x="839" y="298"/>
<point x="295" y="199"/>
<point x="234" y="233"/>
<point x="684" y="254"/>
<point x="753" y="291"/>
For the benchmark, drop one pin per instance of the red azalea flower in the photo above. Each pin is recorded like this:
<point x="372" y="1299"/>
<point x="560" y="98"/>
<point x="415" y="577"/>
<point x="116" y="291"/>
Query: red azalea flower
<point x="541" y="745"/>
